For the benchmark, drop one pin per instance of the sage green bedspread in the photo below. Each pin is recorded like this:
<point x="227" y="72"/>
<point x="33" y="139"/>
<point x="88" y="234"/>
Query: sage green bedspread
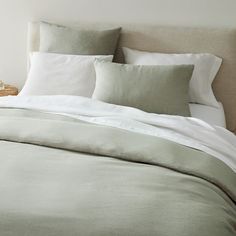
<point x="60" y="176"/>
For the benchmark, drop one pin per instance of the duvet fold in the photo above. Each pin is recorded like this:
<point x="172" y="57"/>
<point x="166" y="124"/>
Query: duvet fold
<point x="95" y="139"/>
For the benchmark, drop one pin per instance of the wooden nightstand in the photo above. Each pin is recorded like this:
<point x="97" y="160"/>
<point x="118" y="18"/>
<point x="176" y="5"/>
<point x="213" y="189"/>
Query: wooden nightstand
<point x="9" y="90"/>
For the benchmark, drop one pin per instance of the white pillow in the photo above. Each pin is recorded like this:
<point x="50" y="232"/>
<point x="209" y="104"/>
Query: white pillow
<point x="209" y="114"/>
<point x="206" y="67"/>
<point x="60" y="74"/>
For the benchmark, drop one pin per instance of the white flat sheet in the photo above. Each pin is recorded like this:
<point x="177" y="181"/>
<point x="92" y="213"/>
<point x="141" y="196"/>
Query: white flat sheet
<point x="209" y="114"/>
<point x="191" y="132"/>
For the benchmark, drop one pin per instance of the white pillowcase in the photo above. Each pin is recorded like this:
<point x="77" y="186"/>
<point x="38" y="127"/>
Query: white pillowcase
<point x="209" y="114"/>
<point x="60" y="74"/>
<point x="206" y="67"/>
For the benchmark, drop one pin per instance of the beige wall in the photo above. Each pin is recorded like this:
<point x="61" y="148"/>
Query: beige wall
<point x="14" y="15"/>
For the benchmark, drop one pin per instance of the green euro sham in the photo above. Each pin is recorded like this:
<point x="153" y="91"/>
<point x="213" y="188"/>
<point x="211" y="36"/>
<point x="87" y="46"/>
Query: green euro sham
<point x="65" y="40"/>
<point x="154" y="89"/>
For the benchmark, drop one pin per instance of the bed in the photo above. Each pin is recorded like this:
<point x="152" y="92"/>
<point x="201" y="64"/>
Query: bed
<point x="76" y="166"/>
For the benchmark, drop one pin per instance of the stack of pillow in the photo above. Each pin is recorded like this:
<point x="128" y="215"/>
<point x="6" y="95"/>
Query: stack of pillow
<point x="64" y="63"/>
<point x="79" y="62"/>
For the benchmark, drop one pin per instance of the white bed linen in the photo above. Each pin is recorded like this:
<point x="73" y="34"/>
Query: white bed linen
<point x="190" y="132"/>
<point x="57" y="74"/>
<point x="209" y="114"/>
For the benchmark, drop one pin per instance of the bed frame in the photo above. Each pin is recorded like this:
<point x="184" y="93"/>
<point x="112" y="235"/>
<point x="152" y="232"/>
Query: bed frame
<point x="221" y="42"/>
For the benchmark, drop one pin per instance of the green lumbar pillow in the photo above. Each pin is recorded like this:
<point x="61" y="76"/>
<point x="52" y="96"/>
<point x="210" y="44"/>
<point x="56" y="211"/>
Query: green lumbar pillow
<point x="155" y="89"/>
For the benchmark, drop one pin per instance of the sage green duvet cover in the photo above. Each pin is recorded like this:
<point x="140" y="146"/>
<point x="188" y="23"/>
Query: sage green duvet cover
<point x="64" y="177"/>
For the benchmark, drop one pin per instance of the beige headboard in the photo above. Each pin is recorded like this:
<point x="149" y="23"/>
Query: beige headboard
<point x="221" y="42"/>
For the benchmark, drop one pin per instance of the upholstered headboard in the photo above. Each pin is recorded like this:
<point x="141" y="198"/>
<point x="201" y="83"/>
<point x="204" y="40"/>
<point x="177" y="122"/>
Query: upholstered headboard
<point x="221" y="42"/>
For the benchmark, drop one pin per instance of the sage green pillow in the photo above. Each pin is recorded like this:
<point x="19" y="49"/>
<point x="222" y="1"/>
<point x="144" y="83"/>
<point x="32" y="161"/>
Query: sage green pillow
<point x="154" y="89"/>
<point x="64" y="40"/>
